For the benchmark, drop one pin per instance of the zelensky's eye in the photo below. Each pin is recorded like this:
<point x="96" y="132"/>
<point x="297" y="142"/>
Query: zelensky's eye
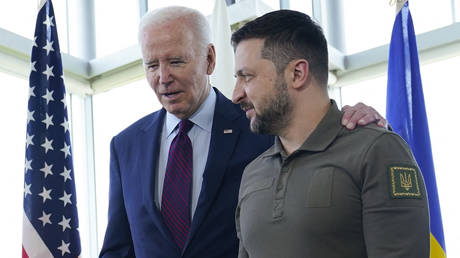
<point x="246" y="77"/>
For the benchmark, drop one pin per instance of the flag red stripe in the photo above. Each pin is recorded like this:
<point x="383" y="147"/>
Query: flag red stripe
<point x="24" y="254"/>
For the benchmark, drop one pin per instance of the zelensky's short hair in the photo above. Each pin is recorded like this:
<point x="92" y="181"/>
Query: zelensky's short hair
<point x="288" y="35"/>
<point x="193" y="19"/>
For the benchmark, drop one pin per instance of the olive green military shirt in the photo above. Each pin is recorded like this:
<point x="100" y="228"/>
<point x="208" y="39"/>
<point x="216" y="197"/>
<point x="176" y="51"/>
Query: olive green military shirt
<point x="341" y="194"/>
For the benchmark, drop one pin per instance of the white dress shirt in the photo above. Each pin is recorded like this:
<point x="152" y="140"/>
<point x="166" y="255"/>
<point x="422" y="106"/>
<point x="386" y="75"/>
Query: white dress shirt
<point x="200" y="136"/>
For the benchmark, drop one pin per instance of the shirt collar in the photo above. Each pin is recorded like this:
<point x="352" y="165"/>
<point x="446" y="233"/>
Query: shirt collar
<point x="203" y="117"/>
<point x="323" y="135"/>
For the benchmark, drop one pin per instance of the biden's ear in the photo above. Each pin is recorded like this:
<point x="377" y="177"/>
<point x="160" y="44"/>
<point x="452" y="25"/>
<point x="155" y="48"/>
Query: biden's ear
<point x="211" y="58"/>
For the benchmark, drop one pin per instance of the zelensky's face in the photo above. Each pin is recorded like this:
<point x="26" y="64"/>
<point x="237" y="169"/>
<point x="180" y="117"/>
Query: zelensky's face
<point x="261" y="93"/>
<point x="176" y="67"/>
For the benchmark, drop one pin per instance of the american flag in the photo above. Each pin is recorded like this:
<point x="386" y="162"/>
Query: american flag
<point x="50" y="221"/>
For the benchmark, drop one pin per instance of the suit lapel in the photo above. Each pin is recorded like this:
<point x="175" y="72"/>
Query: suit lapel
<point x="221" y="147"/>
<point x="151" y="140"/>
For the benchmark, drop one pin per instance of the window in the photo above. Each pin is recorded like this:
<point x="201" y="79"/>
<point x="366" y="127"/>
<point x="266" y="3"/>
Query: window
<point x="423" y="15"/>
<point x="274" y="4"/>
<point x="204" y="6"/>
<point x="442" y="90"/>
<point x="368" y="24"/>
<point x="116" y="25"/>
<point x="301" y="6"/>
<point x="12" y="154"/>
<point x="19" y="16"/>
<point x="371" y="92"/>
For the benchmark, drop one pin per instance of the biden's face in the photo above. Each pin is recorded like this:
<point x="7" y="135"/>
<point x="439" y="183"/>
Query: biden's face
<point x="177" y="67"/>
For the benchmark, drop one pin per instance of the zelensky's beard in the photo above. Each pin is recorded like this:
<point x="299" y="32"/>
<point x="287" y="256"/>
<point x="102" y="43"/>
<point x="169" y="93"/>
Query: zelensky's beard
<point x="276" y="114"/>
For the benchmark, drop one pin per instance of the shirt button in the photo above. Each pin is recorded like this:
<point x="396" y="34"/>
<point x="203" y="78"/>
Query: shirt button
<point x="278" y="204"/>
<point x="279" y="186"/>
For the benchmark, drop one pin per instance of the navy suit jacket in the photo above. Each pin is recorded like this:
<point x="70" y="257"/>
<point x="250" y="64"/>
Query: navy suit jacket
<point x="135" y="227"/>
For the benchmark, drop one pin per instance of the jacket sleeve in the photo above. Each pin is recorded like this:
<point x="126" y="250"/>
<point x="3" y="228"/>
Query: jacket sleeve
<point x="117" y="242"/>
<point x="395" y="208"/>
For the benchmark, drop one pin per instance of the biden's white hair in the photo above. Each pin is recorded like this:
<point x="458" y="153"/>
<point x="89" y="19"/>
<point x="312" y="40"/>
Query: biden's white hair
<point x="193" y="20"/>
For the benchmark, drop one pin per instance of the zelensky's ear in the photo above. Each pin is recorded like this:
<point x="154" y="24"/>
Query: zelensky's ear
<point x="301" y="72"/>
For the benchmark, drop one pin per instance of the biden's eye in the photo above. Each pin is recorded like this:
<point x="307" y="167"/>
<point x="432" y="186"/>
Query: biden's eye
<point x="152" y="67"/>
<point x="177" y="62"/>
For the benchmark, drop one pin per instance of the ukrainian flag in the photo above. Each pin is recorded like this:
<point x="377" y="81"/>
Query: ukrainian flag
<point x="407" y="116"/>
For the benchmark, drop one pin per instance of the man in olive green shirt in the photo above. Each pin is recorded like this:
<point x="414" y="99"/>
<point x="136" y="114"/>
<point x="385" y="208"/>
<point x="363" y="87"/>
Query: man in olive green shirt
<point x="320" y="191"/>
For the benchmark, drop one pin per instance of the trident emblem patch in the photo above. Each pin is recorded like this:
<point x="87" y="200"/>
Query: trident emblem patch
<point x="404" y="182"/>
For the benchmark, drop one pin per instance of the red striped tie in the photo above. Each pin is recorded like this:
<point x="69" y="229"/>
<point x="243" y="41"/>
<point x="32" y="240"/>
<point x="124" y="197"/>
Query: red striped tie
<point x="177" y="186"/>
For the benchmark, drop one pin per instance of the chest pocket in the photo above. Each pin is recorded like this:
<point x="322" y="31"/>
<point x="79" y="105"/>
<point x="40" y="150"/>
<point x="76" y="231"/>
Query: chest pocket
<point x="319" y="190"/>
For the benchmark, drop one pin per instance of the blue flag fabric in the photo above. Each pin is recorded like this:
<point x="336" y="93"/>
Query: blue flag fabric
<point x="406" y="114"/>
<point x="50" y="223"/>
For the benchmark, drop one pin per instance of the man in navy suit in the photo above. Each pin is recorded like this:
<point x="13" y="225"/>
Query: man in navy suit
<point x="178" y="59"/>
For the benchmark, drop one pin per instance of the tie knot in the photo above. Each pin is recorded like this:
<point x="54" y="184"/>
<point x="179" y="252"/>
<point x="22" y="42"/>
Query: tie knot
<point x="185" y="126"/>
